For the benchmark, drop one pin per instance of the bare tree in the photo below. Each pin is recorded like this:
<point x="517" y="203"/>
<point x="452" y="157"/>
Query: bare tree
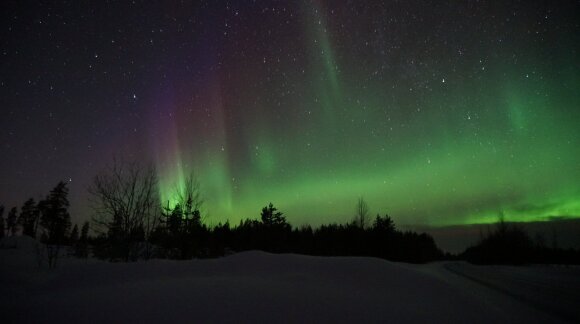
<point x="126" y="205"/>
<point x="361" y="216"/>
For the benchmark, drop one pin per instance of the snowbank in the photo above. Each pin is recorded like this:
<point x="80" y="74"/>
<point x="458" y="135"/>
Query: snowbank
<point x="257" y="287"/>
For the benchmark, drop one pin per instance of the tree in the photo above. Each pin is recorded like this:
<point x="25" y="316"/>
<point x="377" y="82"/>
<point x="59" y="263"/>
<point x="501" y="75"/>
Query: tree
<point x="2" y="229"/>
<point x="189" y="198"/>
<point x="82" y="246"/>
<point x="55" y="221"/>
<point x="175" y="220"/>
<point x="11" y="221"/>
<point x="361" y="216"/>
<point x="183" y="232"/>
<point x="85" y="231"/>
<point x="274" y="230"/>
<point x="29" y="217"/>
<point x="271" y="217"/>
<point x="125" y="202"/>
<point x="384" y="224"/>
<point x="501" y="224"/>
<point x="74" y="235"/>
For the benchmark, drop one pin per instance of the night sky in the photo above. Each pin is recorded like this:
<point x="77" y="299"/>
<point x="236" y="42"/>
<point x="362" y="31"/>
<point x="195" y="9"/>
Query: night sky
<point x="435" y="113"/>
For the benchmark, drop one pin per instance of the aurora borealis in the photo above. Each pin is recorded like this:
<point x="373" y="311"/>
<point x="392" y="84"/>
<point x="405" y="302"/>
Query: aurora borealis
<point x="437" y="114"/>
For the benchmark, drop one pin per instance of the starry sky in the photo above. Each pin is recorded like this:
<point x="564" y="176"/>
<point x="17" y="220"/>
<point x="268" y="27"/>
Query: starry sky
<point x="436" y="112"/>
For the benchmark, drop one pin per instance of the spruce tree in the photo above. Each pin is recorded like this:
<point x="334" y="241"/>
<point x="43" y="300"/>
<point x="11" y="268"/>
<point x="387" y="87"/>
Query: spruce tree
<point x="85" y="232"/>
<point x="55" y="218"/>
<point x="74" y="235"/>
<point x="82" y="246"/>
<point x="2" y="221"/>
<point x="29" y="218"/>
<point x="55" y="221"/>
<point x="11" y="221"/>
<point x="271" y="217"/>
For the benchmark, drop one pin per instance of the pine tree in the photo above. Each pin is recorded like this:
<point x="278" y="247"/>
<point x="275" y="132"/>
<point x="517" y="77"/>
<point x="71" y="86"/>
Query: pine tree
<point x="28" y="218"/>
<point x="55" y="218"/>
<point x="55" y="221"/>
<point x="81" y="249"/>
<point x="385" y="225"/>
<point x="85" y="232"/>
<point x="271" y="217"/>
<point x="175" y="220"/>
<point x="274" y="232"/>
<point x="74" y="235"/>
<point x="11" y="221"/>
<point x="2" y="221"/>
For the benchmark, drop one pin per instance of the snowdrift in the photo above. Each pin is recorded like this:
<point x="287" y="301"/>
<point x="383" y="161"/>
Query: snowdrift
<point x="251" y="287"/>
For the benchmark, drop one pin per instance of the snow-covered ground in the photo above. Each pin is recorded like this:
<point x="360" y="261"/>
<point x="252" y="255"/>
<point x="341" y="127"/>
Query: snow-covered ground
<point x="261" y="287"/>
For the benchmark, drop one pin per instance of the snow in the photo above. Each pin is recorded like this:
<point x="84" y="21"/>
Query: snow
<point x="254" y="286"/>
<point x="554" y="289"/>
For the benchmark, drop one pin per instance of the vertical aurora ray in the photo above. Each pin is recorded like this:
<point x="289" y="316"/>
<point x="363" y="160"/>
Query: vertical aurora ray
<point x="189" y="134"/>
<point x="167" y="150"/>
<point x="325" y="66"/>
<point x="330" y="65"/>
<point x="185" y="145"/>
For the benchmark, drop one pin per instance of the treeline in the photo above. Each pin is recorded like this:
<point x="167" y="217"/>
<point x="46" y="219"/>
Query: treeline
<point x="179" y="235"/>
<point x="48" y="220"/>
<point x="511" y="244"/>
<point x="132" y="225"/>
<point x="380" y="239"/>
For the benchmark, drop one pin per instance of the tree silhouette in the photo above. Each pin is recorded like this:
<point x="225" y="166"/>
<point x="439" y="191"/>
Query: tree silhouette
<point x="74" y="235"/>
<point x="29" y="218"/>
<point x="384" y="224"/>
<point x="271" y="217"/>
<point x="361" y="213"/>
<point x="81" y="248"/>
<point x="85" y="231"/>
<point x="125" y="201"/>
<point x="183" y="233"/>
<point x="274" y="231"/>
<point x="55" y="221"/>
<point x="2" y="228"/>
<point x="506" y="244"/>
<point x="189" y="198"/>
<point x="12" y="221"/>
<point x="174" y="220"/>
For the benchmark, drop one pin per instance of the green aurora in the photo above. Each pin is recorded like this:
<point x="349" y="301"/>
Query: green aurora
<point x="437" y="113"/>
<point x="427" y="141"/>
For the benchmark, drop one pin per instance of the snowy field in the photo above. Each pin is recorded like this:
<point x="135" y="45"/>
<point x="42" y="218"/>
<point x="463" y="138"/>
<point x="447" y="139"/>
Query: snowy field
<point x="261" y="287"/>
